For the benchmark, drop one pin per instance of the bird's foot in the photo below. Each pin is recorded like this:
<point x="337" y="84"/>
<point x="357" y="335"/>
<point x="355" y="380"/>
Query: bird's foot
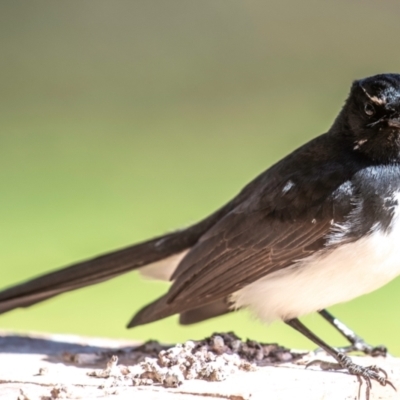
<point x="368" y="374"/>
<point x="363" y="347"/>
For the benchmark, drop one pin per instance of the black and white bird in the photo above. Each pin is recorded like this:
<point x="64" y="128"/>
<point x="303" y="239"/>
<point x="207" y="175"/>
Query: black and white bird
<point x="320" y="227"/>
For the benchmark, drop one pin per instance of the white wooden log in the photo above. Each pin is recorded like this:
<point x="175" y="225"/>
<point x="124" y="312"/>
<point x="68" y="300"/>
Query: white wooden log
<point x="33" y="367"/>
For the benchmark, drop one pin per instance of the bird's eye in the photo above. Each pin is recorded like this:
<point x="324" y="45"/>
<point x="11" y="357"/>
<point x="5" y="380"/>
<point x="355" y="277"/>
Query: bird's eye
<point x="369" y="109"/>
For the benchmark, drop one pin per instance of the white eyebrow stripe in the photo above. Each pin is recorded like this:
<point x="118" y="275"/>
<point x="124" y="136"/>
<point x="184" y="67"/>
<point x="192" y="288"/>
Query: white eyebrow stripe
<point x="374" y="99"/>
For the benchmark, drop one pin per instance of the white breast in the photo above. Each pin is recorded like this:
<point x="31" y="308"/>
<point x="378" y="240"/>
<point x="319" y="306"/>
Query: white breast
<point x="320" y="281"/>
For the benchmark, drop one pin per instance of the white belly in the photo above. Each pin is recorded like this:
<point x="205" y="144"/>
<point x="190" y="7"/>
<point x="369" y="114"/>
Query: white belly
<point x="319" y="281"/>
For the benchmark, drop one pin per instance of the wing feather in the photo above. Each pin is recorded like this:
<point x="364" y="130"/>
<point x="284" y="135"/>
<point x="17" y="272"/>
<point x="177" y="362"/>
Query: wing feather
<point x="261" y="252"/>
<point x="226" y="259"/>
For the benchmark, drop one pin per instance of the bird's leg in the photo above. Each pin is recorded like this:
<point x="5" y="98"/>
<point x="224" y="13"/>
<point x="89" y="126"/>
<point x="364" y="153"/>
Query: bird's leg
<point x="357" y="343"/>
<point x="370" y="373"/>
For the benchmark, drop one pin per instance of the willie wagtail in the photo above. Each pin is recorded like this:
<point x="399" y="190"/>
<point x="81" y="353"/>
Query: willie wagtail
<point x="320" y="227"/>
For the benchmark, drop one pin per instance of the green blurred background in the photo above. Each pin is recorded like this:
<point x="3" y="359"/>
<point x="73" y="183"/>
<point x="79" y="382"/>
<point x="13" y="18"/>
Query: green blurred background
<point x="121" y="120"/>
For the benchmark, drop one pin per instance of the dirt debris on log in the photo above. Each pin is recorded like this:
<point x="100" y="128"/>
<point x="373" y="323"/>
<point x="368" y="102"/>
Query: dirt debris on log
<point x="211" y="359"/>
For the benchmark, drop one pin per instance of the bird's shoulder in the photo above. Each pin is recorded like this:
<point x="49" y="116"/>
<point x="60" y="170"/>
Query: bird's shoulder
<point x="306" y="182"/>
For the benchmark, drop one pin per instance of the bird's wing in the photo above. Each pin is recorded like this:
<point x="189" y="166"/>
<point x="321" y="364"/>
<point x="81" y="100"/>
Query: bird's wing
<point x="241" y="248"/>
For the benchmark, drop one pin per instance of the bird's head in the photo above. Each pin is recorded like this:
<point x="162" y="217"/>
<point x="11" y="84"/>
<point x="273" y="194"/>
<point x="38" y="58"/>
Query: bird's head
<point x="372" y="117"/>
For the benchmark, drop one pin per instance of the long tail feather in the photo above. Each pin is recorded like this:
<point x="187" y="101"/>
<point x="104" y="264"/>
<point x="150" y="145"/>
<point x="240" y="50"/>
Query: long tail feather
<point x="104" y="267"/>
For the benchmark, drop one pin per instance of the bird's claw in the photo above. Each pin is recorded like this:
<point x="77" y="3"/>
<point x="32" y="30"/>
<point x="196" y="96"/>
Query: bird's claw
<point x="377" y="351"/>
<point x="369" y="373"/>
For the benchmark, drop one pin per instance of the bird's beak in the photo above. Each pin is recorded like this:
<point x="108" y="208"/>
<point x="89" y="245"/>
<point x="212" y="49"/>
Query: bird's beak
<point x="394" y="123"/>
